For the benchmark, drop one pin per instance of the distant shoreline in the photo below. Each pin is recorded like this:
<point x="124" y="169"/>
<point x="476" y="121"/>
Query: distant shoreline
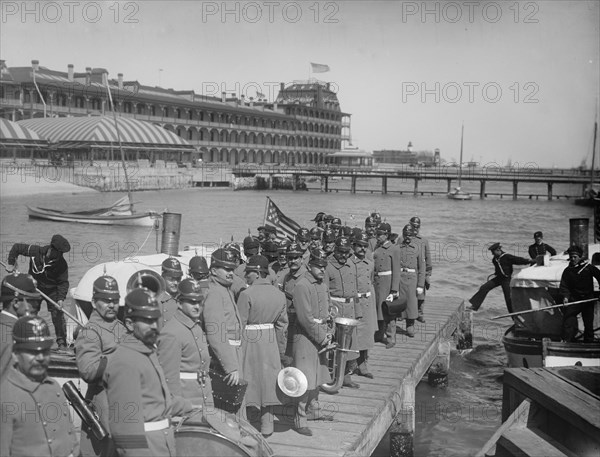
<point x="26" y="186"/>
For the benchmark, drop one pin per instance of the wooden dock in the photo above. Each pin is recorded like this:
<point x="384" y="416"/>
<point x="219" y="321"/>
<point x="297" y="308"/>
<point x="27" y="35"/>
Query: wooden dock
<point x="361" y="417"/>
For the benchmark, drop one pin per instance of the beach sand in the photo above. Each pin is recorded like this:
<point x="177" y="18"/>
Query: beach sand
<point x="22" y="185"/>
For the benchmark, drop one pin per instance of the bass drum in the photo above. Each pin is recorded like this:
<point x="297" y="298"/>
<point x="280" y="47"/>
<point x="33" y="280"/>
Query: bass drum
<point x="220" y="434"/>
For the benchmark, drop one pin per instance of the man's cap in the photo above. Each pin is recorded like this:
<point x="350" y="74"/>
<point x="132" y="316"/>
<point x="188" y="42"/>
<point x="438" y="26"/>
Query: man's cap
<point x="575" y="250"/>
<point x="223" y="258"/>
<point x="303" y="235"/>
<point x="294" y="249"/>
<point x="32" y="333"/>
<point x="172" y="268"/>
<point x="262" y="227"/>
<point x="106" y="288"/>
<point x="415" y="221"/>
<point x="495" y="246"/>
<point x="142" y="303"/>
<point x="329" y="235"/>
<point x="270" y="229"/>
<point x="316" y="233"/>
<point x="251" y="243"/>
<point x="538" y="235"/>
<point x="19" y="285"/>
<point x="384" y="227"/>
<point x="361" y="239"/>
<point x="60" y="243"/>
<point x="258" y="263"/>
<point x="198" y="264"/>
<point x="342" y="244"/>
<point x="318" y="257"/>
<point x="319" y="217"/>
<point x="336" y="221"/>
<point x="192" y="290"/>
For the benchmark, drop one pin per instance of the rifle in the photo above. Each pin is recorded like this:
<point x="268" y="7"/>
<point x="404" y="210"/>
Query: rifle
<point x="88" y="414"/>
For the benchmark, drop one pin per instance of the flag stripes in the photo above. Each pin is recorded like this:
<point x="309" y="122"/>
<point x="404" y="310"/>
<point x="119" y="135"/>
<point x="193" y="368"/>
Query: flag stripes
<point x="285" y="226"/>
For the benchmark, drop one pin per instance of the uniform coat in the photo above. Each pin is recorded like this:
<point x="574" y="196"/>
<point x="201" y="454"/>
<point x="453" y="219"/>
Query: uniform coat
<point x="221" y="322"/>
<point x="96" y="342"/>
<point x="262" y="349"/>
<point x="385" y="258"/>
<point x="168" y="306"/>
<point x="7" y="321"/>
<point x="35" y="418"/>
<point x="182" y="348"/>
<point x="288" y="283"/>
<point x="137" y="392"/>
<point x="423" y="244"/>
<point x="411" y="257"/>
<point x="368" y="324"/>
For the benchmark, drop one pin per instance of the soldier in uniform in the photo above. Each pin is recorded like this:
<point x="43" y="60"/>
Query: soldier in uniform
<point x="370" y="227"/>
<point x="316" y="234"/>
<point x="96" y="342"/>
<point x="329" y="237"/>
<point x="35" y="413"/>
<point x="262" y="308"/>
<point x="341" y="277"/>
<point x="366" y="297"/>
<point x="415" y="223"/>
<point x="412" y="279"/>
<point x="51" y="273"/>
<point x="172" y="274"/>
<point x="221" y="318"/>
<point x="239" y="282"/>
<point x="386" y="259"/>
<point x="311" y="301"/>
<point x="251" y="247"/>
<point x="182" y="347"/>
<point x="271" y="250"/>
<point x="279" y="266"/>
<point x="270" y="233"/>
<point x="198" y="268"/>
<point x="136" y="386"/>
<point x="303" y="240"/>
<point x="19" y="298"/>
<point x="319" y="220"/>
<point x="296" y="270"/>
<point x="336" y="225"/>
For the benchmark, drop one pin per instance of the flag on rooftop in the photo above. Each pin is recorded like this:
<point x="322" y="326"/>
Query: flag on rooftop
<point x="286" y="227"/>
<point x="319" y="67"/>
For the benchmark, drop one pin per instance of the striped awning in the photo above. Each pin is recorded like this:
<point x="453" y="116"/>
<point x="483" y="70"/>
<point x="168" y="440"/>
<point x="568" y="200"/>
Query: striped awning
<point x="100" y="130"/>
<point x="13" y="134"/>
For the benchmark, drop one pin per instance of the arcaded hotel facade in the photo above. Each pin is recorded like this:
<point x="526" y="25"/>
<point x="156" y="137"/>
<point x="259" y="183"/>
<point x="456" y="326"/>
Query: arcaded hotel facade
<point x="304" y="125"/>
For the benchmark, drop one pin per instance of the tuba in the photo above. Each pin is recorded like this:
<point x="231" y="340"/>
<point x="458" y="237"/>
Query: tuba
<point x="343" y="337"/>
<point x="148" y="279"/>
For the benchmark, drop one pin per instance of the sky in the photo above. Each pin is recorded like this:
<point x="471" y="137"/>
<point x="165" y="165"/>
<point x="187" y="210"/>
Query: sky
<point x="522" y="76"/>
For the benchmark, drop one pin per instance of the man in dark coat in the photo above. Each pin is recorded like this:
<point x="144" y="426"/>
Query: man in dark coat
<point x="51" y="272"/>
<point x="576" y="284"/>
<point x="539" y="247"/>
<point x="503" y="269"/>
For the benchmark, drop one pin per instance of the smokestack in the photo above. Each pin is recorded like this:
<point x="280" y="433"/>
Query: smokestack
<point x="282" y="86"/>
<point x="579" y="234"/>
<point x="70" y="70"/>
<point x="223" y="97"/>
<point x="35" y="64"/>
<point x="120" y="80"/>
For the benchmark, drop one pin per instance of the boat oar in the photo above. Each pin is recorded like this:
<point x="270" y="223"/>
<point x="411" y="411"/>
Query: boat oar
<point x="544" y="309"/>
<point x="48" y="299"/>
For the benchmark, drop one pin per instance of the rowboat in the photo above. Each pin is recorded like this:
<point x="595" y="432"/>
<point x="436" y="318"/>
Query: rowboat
<point x="119" y="213"/>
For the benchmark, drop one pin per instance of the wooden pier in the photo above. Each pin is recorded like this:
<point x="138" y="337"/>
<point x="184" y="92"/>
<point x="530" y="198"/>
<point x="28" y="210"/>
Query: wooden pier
<point x="361" y="417"/>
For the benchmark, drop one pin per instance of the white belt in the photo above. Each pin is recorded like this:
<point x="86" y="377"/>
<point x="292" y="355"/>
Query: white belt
<point x="258" y="327"/>
<point x="188" y="375"/>
<point x="318" y="321"/>
<point x="384" y="273"/>
<point x="408" y="270"/>
<point x="341" y="299"/>
<point x="364" y="295"/>
<point x="235" y="342"/>
<point x="156" y="425"/>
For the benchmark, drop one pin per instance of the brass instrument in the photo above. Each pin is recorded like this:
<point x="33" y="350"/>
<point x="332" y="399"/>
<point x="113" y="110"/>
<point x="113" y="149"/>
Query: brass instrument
<point x="148" y="279"/>
<point x="344" y="327"/>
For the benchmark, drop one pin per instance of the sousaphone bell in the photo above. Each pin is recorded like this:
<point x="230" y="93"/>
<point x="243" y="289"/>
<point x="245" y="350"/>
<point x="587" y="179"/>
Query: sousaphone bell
<point x="147" y="279"/>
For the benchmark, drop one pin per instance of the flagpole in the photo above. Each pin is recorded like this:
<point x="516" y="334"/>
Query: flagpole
<point x="266" y="210"/>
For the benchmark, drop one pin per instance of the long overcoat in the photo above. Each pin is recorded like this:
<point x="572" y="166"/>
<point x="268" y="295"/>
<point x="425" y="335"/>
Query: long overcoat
<point x="386" y="258"/>
<point x="368" y="324"/>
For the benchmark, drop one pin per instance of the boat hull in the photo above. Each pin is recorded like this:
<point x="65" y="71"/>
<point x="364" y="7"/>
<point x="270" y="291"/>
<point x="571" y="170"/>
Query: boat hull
<point x="138" y="220"/>
<point x="460" y="196"/>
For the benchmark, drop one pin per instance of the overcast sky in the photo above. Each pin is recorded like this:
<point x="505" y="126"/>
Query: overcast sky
<point x="523" y="76"/>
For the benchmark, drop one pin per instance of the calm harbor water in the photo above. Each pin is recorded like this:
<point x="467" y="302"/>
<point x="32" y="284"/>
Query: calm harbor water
<point x="457" y="420"/>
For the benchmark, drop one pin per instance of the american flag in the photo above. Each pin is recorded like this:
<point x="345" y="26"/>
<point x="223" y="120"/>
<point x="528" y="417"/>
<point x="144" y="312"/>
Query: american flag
<point x="286" y="227"/>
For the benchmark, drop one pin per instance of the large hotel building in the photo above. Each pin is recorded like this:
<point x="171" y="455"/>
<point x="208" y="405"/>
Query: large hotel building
<point x="303" y="125"/>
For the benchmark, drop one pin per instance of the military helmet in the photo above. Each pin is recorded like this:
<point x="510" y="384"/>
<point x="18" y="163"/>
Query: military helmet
<point x="361" y="239"/>
<point x="316" y="233"/>
<point x="106" y="288"/>
<point x="198" y="264"/>
<point x="32" y="333"/>
<point x="303" y="235"/>
<point x="251" y="243"/>
<point x="283" y="246"/>
<point x="19" y="285"/>
<point x="342" y="244"/>
<point x="235" y="249"/>
<point x="294" y="249"/>
<point x="328" y="218"/>
<point x="142" y="303"/>
<point x="171" y="268"/>
<point x="223" y="258"/>
<point x="318" y="257"/>
<point x="270" y="249"/>
<point x="258" y="263"/>
<point x="192" y="290"/>
<point x="319" y="217"/>
<point x="346" y="230"/>
<point x="384" y="227"/>
<point x="329" y="236"/>
<point x="415" y="221"/>
<point x="408" y="230"/>
<point x="371" y="221"/>
<point x="336" y="221"/>
<point x="375" y="215"/>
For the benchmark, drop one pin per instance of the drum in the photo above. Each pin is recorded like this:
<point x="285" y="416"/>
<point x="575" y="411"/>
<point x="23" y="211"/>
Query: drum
<point x="231" y="436"/>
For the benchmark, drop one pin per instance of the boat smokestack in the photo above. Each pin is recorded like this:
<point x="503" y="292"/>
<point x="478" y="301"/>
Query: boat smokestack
<point x="579" y="234"/>
<point x="170" y="234"/>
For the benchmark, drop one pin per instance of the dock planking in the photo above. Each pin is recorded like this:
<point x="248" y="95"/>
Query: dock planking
<point x="361" y="417"/>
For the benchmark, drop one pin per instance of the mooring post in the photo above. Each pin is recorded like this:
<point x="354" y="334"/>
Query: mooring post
<point x="464" y="333"/>
<point x="515" y="189"/>
<point x="270" y="181"/>
<point x="482" y="189"/>
<point x="549" y="191"/>
<point x="449" y="185"/>
<point x="437" y="376"/>
<point x="416" y="191"/>
<point x="402" y="430"/>
<point x="294" y="179"/>
<point x="353" y="184"/>
<point x="384" y="185"/>
<point x="323" y="183"/>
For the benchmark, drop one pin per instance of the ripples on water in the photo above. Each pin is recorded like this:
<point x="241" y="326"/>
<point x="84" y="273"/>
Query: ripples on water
<point x="457" y="420"/>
